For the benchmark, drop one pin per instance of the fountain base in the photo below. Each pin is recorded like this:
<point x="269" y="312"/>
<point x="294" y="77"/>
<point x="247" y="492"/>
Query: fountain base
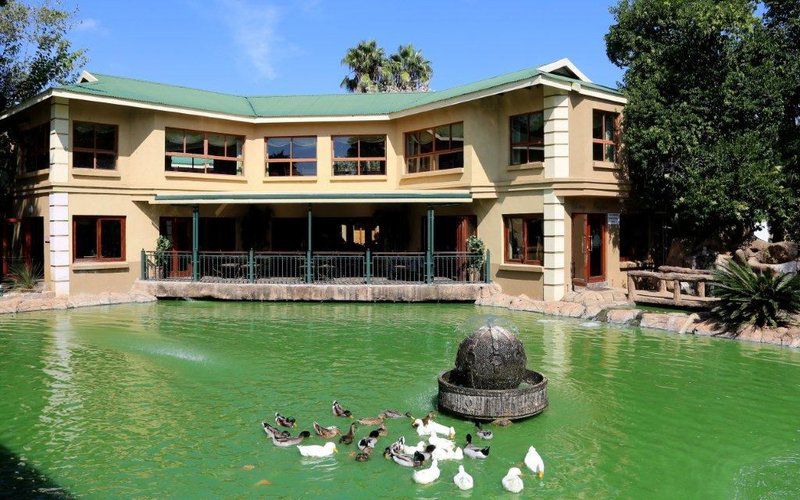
<point x="527" y="400"/>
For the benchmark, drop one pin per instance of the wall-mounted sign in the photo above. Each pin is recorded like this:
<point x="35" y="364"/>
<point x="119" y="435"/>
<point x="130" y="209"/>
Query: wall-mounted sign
<point x="613" y="219"/>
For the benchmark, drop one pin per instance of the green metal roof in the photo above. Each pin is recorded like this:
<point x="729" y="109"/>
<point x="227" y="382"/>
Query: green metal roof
<point x="294" y="105"/>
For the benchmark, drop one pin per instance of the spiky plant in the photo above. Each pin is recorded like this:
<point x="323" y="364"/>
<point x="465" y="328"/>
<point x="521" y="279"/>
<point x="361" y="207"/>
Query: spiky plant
<point x="754" y="298"/>
<point x="23" y="276"/>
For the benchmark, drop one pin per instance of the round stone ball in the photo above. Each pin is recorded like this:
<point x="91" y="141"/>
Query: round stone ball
<point x="491" y="358"/>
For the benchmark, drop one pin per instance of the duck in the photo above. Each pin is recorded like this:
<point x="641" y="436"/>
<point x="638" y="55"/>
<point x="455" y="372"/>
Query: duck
<point x="351" y="434"/>
<point x="285" y="442"/>
<point x="273" y="431"/>
<point x="442" y="454"/>
<point x="483" y="433"/>
<point x="462" y="479"/>
<point x="318" y="451"/>
<point x="429" y="475"/>
<point x="414" y="460"/>
<point x="437" y="428"/>
<point x="409" y="450"/>
<point x="382" y="430"/>
<point x="326" y="432"/>
<point x="370" y="420"/>
<point x="390" y="414"/>
<point x="473" y="451"/>
<point x="362" y="457"/>
<point x="513" y="482"/>
<point x="427" y="418"/>
<point x="338" y="411"/>
<point x="502" y="422"/>
<point x="285" y="421"/>
<point x="441" y="442"/>
<point x="368" y="442"/>
<point x="427" y="453"/>
<point x="534" y="462"/>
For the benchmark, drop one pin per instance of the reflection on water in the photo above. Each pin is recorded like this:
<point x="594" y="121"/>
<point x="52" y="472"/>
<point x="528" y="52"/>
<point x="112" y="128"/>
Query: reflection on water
<point x="165" y="400"/>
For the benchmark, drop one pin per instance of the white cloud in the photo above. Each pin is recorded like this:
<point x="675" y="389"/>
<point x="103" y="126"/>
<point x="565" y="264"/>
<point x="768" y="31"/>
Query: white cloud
<point x="252" y="26"/>
<point x="88" y="24"/>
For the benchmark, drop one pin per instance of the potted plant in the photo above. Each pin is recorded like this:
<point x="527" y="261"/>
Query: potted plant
<point x="476" y="258"/>
<point x="163" y="246"/>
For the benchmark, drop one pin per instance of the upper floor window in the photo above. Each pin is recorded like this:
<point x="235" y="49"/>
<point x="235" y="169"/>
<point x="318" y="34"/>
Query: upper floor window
<point x="203" y="152"/>
<point x="34" y="147"/>
<point x="527" y="138"/>
<point x="289" y="156"/>
<point x="524" y="235"/>
<point x="359" y="155"/>
<point x="437" y="148"/>
<point x="98" y="238"/>
<point x="94" y="145"/>
<point x="604" y="136"/>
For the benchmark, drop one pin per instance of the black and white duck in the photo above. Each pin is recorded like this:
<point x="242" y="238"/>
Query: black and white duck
<point x="368" y="442"/>
<point x="483" y="433"/>
<point x="285" y="421"/>
<point x="415" y="460"/>
<point x="351" y="434"/>
<point x="338" y="411"/>
<point x="474" y="451"/>
<point x="326" y="432"/>
<point x="286" y="442"/>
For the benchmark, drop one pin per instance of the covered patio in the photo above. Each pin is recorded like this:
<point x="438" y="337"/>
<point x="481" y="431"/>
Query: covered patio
<point x="356" y="238"/>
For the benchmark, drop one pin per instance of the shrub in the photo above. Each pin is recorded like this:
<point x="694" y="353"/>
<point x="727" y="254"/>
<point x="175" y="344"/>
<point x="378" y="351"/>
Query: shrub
<point x="476" y="246"/>
<point x="754" y="298"/>
<point x="23" y="276"/>
<point x="163" y="245"/>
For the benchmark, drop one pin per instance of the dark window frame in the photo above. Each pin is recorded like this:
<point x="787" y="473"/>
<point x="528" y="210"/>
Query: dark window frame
<point x="507" y="231"/>
<point x="95" y="150"/>
<point x="358" y="159"/>
<point x="34" y="145"/>
<point x="614" y="141"/>
<point x="99" y="237"/>
<point x="434" y="154"/>
<point x="204" y="156"/>
<point x="291" y="160"/>
<point x="526" y="144"/>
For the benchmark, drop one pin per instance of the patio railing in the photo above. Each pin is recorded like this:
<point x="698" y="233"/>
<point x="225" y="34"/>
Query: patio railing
<point x="322" y="267"/>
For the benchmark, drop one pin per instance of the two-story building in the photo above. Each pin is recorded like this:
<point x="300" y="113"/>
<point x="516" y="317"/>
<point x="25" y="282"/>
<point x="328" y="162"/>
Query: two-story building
<point x="526" y="161"/>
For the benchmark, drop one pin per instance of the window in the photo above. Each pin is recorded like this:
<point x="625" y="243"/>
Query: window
<point x="289" y="156"/>
<point x="437" y="148"/>
<point x="604" y="136"/>
<point x="98" y="238"/>
<point x="203" y="152"/>
<point x="94" y="146"/>
<point x="359" y="155"/>
<point x="524" y="239"/>
<point x="527" y="138"/>
<point x="35" y="148"/>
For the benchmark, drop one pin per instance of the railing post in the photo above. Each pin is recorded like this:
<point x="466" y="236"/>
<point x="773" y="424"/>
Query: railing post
<point x="195" y="242"/>
<point x="251" y="268"/>
<point x="487" y="276"/>
<point x="369" y="267"/>
<point x="309" y="277"/>
<point x="144" y="266"/>
<point x="429" y="249"/>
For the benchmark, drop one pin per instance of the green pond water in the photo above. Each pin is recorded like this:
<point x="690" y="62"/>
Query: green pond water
<point x="165" y="400"/>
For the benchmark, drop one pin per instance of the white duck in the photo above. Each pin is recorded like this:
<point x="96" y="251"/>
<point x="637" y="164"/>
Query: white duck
<point x="429" y="475"/>
<point x="437" y="428"/>
<point x="534" y="462"/>
<point x="462" y="479"/>
<point x="513" y="482"/>
<point x="440" y="442"/>
<point x="315" y="450"/>
<point x="442" y="454"/>
<point x="409" y="450"/>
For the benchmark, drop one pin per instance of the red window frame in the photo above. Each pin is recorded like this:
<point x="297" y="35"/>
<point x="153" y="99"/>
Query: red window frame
<point x="614" y="141"/>
<point x="525" y="218"/>
<point x="99" y="235"/>
<point x="95" y="150"/>
<point x="433" y="155"/>
<point x="239" y="159"/>
<point x="291" y="160"/>
<point x="532" y="141"/>
<point x="358" y="159"/>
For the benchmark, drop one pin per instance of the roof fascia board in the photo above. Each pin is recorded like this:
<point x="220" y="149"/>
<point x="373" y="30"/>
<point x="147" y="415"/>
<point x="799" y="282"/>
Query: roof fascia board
<point x="27" y="104"/>
<point x="389" y="197"/>
<point x="582" y="90"/>
<point x="564" y="63"/>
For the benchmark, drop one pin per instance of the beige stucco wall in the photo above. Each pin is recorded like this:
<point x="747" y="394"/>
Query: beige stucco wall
<point x="499" y="189"/>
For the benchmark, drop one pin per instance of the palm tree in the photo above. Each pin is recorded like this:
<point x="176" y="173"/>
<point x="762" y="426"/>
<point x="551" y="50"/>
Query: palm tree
<point x="366" y="61"/>
<point x="408" y="70"/>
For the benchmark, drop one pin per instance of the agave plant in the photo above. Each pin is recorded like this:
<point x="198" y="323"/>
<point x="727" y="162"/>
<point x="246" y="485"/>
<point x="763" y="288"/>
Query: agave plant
<point x="23" y="276"/>
<point x="754" y="298"/>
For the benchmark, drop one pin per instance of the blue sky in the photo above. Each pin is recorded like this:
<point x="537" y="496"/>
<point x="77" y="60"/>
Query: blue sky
<point x="290" y="47"/>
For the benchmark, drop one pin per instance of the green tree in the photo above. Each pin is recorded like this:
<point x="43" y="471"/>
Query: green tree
<point x="35" y="53"/>
<point x="372" y="71"/>
<point x="702" y="124"/>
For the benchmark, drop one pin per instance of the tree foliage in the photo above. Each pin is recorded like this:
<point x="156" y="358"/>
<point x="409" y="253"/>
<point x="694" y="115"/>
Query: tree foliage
<point x="371" y="70"/>
<point x="35" y="53"/>
<point x="703" y="126"/>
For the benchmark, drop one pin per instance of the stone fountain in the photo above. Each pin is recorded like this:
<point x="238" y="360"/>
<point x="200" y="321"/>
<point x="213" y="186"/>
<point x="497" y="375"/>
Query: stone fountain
<point x="491" y="379"/>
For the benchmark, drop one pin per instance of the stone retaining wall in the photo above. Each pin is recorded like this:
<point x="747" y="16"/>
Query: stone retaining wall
<point x="459" y="292"/>
<point x="620" y="313"/>
<point x="26" y="302"/>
